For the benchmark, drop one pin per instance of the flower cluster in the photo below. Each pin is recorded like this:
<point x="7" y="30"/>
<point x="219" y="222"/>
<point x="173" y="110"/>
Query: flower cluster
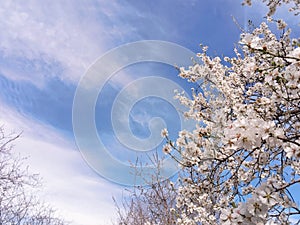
<point x="244" y="154"/>
<point x="273" y="4"/>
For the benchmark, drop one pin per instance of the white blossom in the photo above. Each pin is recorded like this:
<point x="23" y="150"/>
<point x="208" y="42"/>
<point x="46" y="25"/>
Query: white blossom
<point x="238" y="164"/>
<point x="164" y="132"/>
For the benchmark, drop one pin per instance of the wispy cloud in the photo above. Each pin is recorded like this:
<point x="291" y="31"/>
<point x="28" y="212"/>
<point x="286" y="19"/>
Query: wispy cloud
<point x="71" y="35"/>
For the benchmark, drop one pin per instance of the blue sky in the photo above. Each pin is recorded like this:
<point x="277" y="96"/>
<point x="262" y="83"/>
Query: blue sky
<point x="47" y="46"/>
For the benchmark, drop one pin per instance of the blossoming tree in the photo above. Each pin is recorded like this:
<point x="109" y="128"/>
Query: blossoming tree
<point x="243" y="158"/>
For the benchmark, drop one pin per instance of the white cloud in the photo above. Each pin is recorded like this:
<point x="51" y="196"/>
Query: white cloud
<point x="67" y="34"/>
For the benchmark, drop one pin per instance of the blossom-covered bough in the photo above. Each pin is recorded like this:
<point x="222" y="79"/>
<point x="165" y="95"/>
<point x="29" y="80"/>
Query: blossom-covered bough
<point x="242" y="160"/>
<point x="273" y="4"/>
<point x="241" y="163"/>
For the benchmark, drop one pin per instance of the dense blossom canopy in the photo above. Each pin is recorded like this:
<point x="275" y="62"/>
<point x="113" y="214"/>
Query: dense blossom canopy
<point x="244" y="155"/>
<point x="242" y="160"/>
